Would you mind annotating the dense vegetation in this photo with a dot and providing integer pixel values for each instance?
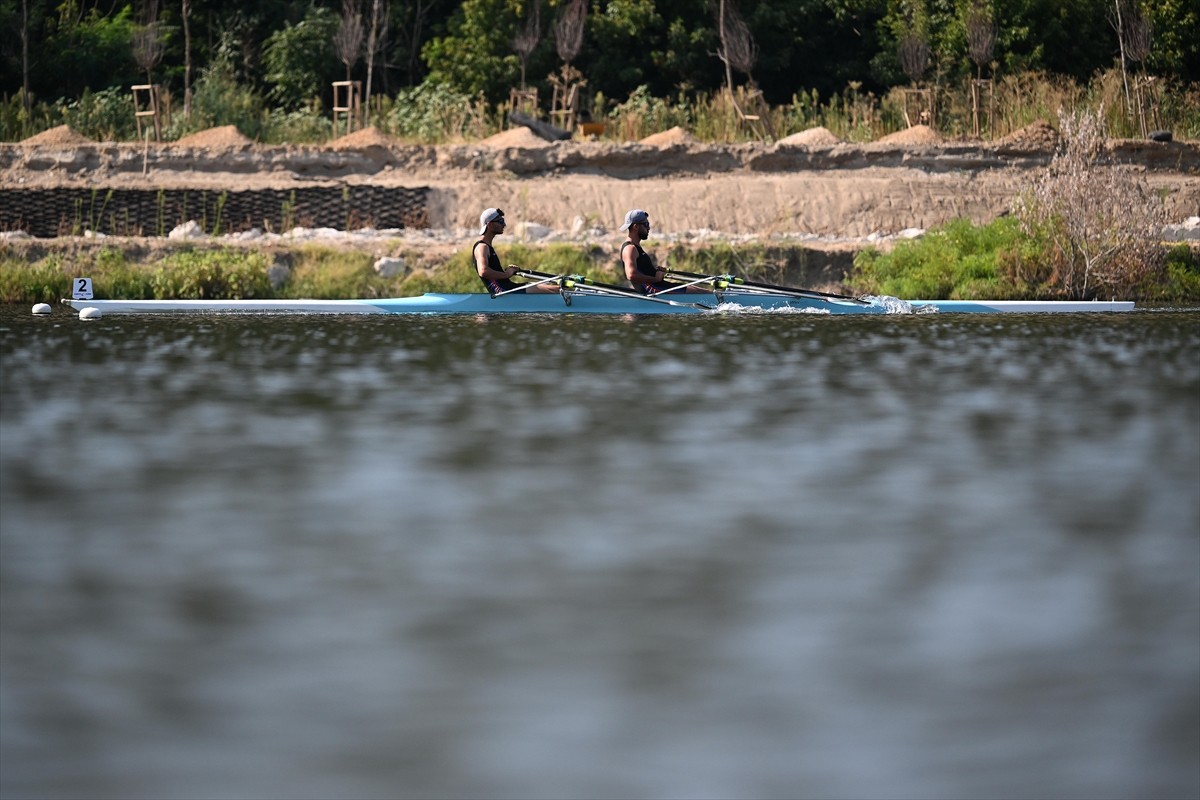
(437, 69)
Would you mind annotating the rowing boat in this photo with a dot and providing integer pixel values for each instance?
(585, 301)
(578, 294)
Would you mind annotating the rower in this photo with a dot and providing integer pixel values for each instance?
(498, 280)
(639, 268)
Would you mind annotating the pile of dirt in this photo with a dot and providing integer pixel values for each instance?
(515, 137)
(674, 136)
(223, 136)
(1037, 137)
(62, 135)
(917, 134)
(813, 137)
(362, 139)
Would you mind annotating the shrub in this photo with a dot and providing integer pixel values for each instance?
(1101, 224)
(323, 272)
(1181, 282)
(957, 261)
(212, 274)
(434, 113)
(219, 99)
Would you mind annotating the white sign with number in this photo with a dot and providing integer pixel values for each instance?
(81, 289)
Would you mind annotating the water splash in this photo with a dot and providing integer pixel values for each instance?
(894, 305)
(735, 308)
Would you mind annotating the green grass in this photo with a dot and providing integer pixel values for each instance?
(998, 261)
(959, 261)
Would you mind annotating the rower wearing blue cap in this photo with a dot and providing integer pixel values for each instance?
(640, 270)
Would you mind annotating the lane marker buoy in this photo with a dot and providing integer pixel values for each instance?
(91, 312)
(41, 308)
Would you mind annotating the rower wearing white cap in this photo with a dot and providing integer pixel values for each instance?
(639, 267)
(495, 278)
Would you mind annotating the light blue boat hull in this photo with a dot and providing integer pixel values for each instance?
(479, 303)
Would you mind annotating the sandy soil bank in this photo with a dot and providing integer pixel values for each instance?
(809, 185)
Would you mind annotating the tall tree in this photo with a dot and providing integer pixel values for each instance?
(185, 16)
(25, 99)
(375, 44)
(475, 54)
(737, 49)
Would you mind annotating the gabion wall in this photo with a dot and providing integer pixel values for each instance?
(155, 212)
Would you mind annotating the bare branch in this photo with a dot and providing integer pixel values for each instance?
(914, 55)
(568, 30)
(1103, 220)
(348, 41)
(1139, 34)
(981, 33)
(147, 48)
(738, 49)
(525, 41)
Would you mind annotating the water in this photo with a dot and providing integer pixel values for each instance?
(762, 556)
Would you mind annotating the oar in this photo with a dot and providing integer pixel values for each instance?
(682, 287)
(608, 288)
(549, 279)
(809, 293)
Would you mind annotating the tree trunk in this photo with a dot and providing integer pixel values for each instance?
(372, 41)
(186, 13)
(724, 47)
(1121, 45)
(25, 56)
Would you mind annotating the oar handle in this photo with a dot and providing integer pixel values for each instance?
(547, 279)
(578, 279)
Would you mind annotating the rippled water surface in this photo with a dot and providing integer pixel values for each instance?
(763, 556)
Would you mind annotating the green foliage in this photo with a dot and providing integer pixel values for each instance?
(325, 273)
(225, 274)
(1003, 260)
(103, 115)
(621, 32)
(1181, 283)
(476, 56)
(432, 113)
(42, 282)
(992, 261)
(1176, 48)
(218, 98)
(642, 114)
(81, 46)
(300, 58)
(838, 55)
(307, 125)
(958, 261)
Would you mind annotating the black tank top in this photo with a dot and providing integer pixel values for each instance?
(643, 265)
(493, 286)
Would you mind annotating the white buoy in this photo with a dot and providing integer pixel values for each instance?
(91, 312)
(41, 308)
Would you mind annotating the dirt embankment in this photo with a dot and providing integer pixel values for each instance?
(809, 184)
